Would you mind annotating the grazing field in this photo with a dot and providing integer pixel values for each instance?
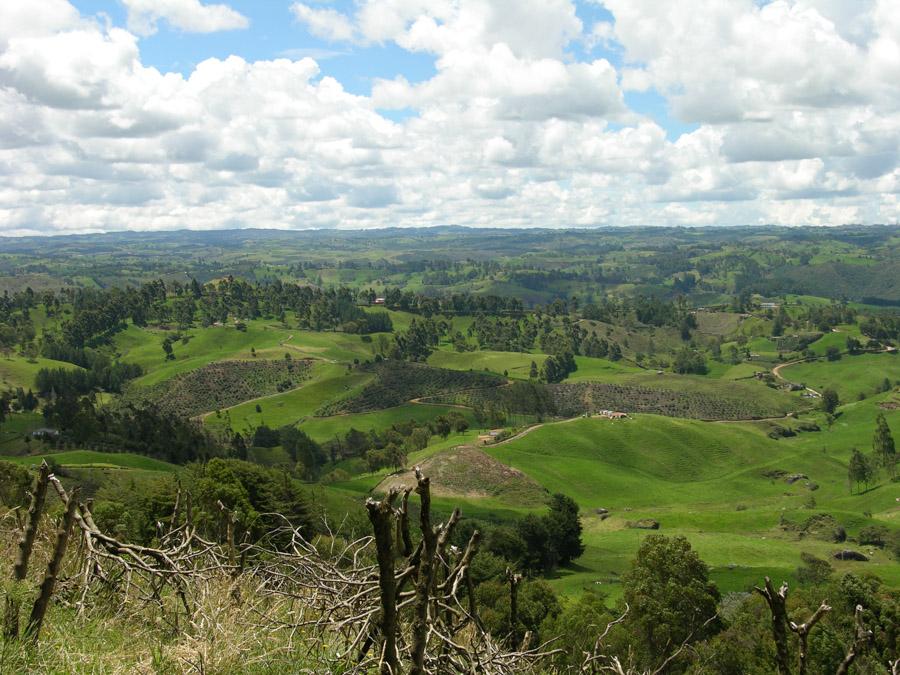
(515, 364)
(601, 370)
(328, 382)
(92, 459)
(15, 429)
(325, 428)
(204, 346)
(704, 480)
(20, 372)
(850, 376)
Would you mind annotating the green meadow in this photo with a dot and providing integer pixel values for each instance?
(90, 459)
(704, 480)
(20, 372)
(849, 376)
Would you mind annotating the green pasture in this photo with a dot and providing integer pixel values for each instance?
(325, 428)
(705, 480)
(17, 371)
(849, 376)
(205, 345)
(329, 381)
(92, 459)
(15, 428)
(516, 364)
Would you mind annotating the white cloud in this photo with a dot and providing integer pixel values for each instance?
(796, 105)
(326, 23)
(190, 16)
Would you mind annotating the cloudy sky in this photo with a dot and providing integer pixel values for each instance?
(166, 114)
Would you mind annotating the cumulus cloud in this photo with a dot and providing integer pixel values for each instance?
(190, 16)
(795, 106)
(325, 23)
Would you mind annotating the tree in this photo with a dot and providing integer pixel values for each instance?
(533, 371)
(860, 470)
(883, 445)
(167, 348)
(564, 525)
(830, 401)
(688, 361)
(539, 555)
(833, 353)
(671, 598)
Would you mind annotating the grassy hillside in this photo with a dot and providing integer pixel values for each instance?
(516, 364)
(326, 428)
(704, 480)
(328, 382)
(849, 376)
(91, 459)
(17, 371)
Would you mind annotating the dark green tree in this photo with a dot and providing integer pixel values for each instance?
(830, 401)
(860, 470)
(883, 445)
(671, 599)
(564, 524)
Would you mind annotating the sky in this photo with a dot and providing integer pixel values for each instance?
(171, 114)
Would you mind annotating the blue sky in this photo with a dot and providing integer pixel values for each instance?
(129, 114)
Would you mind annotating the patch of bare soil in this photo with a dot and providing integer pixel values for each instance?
(470, 473)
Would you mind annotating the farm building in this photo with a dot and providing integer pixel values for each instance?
(379, 301)
(45, 432)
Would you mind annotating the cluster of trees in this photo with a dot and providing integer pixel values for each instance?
(103, 375)
(601, 348)
(534, 544)
(19, 399)
(390, 448)
(558, 368)
(689, 361)
(452, 304)
(504, 334)
(144, 431)
(882, 326)
(826, 317)
(379, 449)
(418, 341)
(864, 469)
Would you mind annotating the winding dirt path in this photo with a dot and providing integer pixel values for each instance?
(776, 371)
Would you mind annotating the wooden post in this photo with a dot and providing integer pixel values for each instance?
(776, 601)
(26, 544)
(514, 581)
(381, 515)
(39, 610)
(426, 576)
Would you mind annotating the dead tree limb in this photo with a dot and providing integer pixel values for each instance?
(803, 631)
(776, 601)
(26, 544)
(514, 581)
(426, 575)
(860, 641)
(381, 515)
(39, 610)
